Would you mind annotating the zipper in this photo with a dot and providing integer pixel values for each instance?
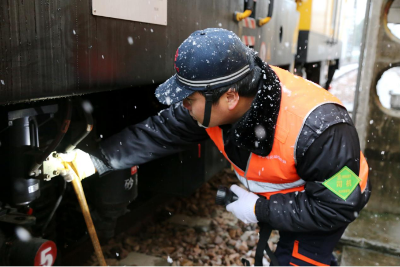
(245, 173)
(248, 161)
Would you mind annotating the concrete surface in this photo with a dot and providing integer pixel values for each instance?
(352, 256)
(140, 259)
(379, 232)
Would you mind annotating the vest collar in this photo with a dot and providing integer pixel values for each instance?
(255, 131)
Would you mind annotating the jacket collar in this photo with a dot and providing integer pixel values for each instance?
(255, 131)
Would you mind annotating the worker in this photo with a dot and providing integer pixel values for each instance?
(292, 144)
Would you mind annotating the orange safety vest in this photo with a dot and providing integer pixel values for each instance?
(276, 173)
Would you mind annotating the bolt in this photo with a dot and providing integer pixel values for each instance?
(47, 159)
(56, 173)
(55, 155)
(94, 10)
(47, 176)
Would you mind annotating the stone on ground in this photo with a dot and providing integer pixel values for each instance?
(352, 256)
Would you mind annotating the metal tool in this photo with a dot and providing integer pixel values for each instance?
(76, 182)
(225, 196)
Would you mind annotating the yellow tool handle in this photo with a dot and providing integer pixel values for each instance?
(76, 182)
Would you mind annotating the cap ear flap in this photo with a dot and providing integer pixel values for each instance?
(257, 60)
(251, 58)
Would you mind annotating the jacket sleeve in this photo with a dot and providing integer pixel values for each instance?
(171, 131)
(317, 208)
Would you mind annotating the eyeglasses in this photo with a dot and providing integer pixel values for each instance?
(188, 101)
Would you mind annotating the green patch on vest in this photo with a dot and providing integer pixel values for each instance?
(343, 183)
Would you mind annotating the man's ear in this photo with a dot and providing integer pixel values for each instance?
(232, 98)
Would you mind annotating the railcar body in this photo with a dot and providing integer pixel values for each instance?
(63, 48)
(319, 42)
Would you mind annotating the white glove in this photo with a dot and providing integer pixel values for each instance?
(80, 163)
(243, 208)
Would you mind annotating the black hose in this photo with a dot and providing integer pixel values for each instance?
(249, 4)
(55, 207)
(5, 129)
(89, 122)
(47, 120)
(87, 113)
(270, 8)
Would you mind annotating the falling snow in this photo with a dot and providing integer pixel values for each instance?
(170, 261)
(130, 40)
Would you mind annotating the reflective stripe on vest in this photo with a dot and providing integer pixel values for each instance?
(264, 187)
(363, 174)
(276, 173)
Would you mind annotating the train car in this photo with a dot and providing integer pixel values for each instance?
(319, 41)
(75, 72)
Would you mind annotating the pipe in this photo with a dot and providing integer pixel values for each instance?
(76, 182)
(263, 21)
(87, 113)
(241, 16)
(238, 16)
(361, 60)
(55, 207)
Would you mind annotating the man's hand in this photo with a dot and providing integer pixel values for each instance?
(243, 208)
(80, 162)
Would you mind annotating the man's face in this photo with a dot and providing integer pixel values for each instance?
(225, 111)
(195, 104)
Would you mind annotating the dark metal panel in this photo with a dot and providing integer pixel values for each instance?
(5, 68)
(58, 48)
(65, 50)
(16, 48)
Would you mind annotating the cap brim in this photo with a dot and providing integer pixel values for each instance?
(170, 92)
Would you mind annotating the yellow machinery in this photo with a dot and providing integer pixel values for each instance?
(319, 43)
